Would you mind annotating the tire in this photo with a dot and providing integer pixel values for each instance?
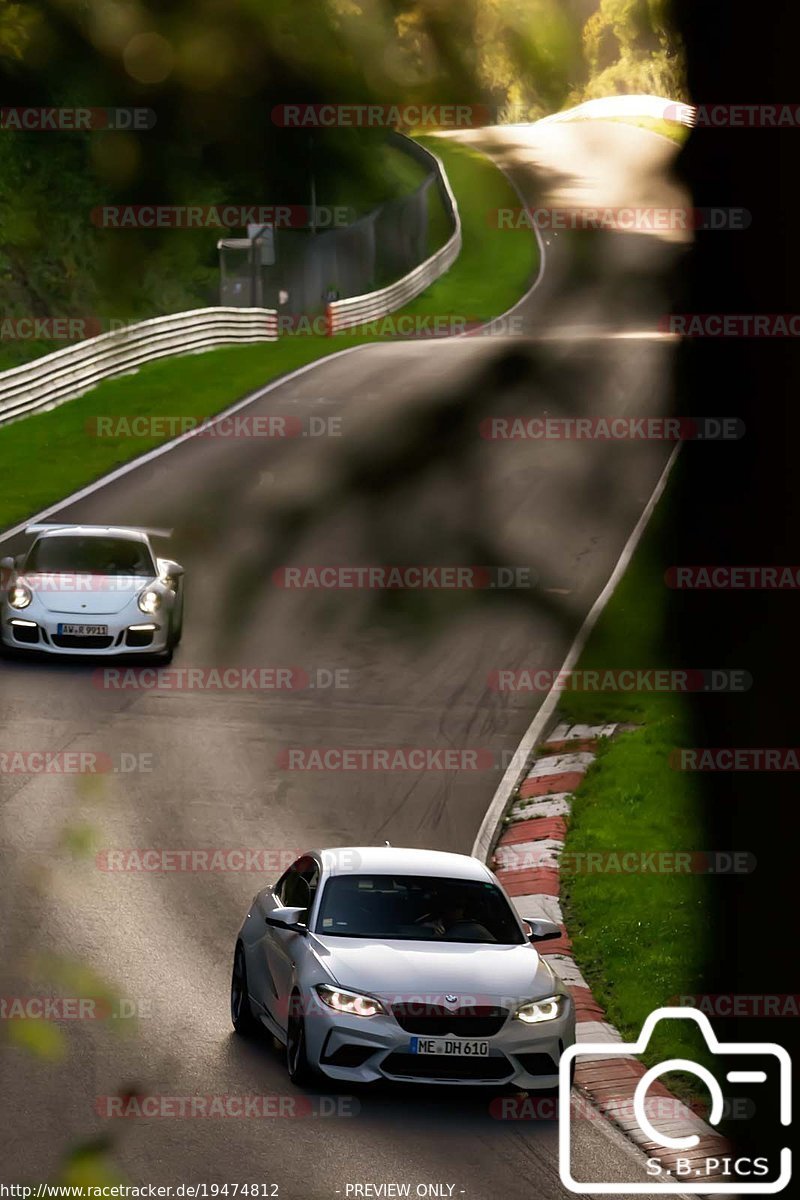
(166, 654)
(177, 632)
(242, 1017)
(164, 657)
(301, 1072)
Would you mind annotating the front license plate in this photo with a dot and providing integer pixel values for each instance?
(83, 630)
(462, 1046)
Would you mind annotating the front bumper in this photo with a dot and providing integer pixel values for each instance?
(367, 1049)
(35, 628)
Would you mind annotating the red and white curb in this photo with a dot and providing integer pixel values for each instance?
(526, 861)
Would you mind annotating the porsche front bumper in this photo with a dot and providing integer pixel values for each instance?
(130, 631)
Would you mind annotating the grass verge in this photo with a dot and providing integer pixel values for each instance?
(49, 455)
(640, 939)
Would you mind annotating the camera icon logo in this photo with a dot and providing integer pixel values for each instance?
(738, 1177)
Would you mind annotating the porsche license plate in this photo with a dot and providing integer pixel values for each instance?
(460, 1046)
(83, 630)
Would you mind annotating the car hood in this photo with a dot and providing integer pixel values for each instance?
(421, 969)
(86, 595)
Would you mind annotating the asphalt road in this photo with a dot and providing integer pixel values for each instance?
(408, 479)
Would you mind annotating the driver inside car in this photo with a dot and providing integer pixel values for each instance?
(452, 921)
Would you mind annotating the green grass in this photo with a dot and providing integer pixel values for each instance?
(495, 265)
(640, 939)
(47, 456)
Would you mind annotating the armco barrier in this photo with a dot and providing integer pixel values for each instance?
(358, 310)
(70, 372)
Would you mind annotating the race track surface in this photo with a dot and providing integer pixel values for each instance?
(409, 479)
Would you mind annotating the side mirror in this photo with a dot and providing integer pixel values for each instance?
(8, 563)
(540, 930)
(168, 569)
(288, 918)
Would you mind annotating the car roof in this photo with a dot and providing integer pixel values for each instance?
(132, 535)
(400, 860)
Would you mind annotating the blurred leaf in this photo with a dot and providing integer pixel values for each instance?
(79, 840)
(41, 1038)
(90, 1165)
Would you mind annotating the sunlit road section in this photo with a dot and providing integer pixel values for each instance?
(409, 478)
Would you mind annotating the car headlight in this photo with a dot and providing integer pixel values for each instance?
(533, 1012)
(150, 601)
(349, 1002)
(19, 595)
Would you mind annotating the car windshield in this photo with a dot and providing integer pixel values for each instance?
(416, 908)
(90, 555)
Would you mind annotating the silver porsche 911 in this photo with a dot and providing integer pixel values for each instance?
(410, 965)
(91, 589)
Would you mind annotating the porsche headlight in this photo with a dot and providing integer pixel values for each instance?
(533, 1012)
(352, 1003)
(150, 601)
(19, 595)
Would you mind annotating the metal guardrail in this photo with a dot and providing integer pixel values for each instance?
(70, 372)
(359, 310)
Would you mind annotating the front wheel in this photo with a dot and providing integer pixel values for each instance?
(177, 629)
(167, 653)
(242, 1017)
(300, 1069)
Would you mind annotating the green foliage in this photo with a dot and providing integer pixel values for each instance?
(630, 48)
(517, 54)
(213, 75)
(17, 23)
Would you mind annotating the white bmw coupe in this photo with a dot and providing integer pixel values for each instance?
(381, 963)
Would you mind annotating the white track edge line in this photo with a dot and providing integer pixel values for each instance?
(514, 774)
(165, 447)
